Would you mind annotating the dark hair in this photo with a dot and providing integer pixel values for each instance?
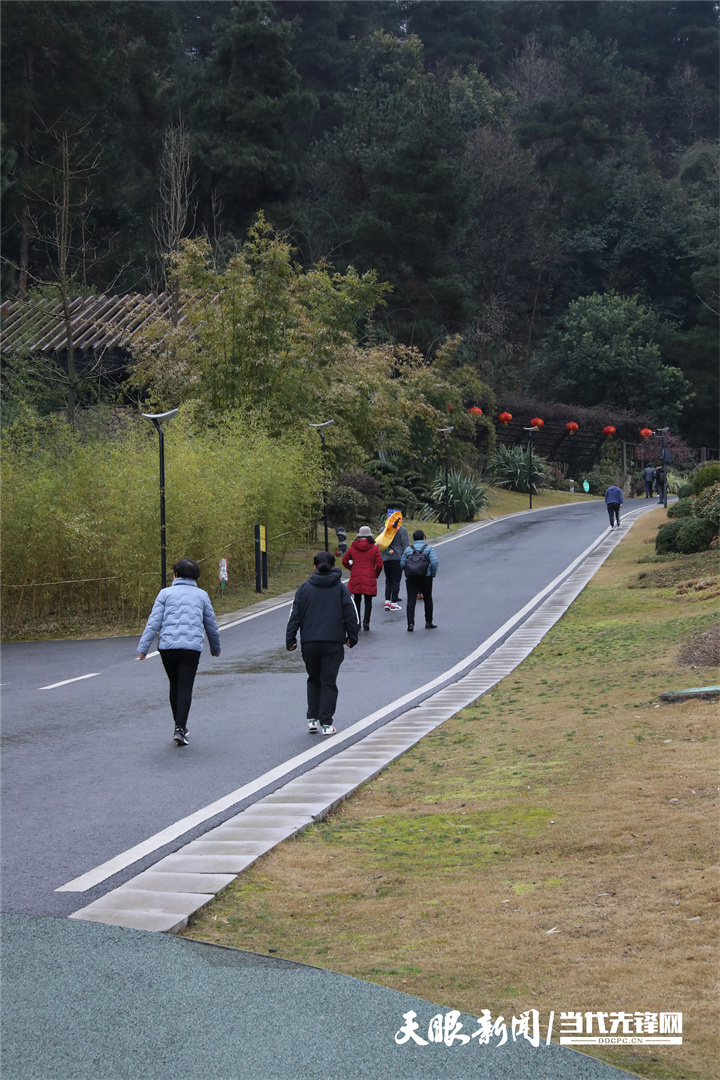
(324, 560)
(186, 568)
(418, 535)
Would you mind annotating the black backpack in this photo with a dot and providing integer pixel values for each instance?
(417, 563)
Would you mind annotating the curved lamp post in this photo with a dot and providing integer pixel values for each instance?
(446, 432)
(158, 419)
(536, 423)
(320, 428)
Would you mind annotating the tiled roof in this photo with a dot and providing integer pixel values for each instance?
(98, 322)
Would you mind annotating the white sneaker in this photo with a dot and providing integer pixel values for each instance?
(388, 605)
(327, 729)
(394, 607)
(397, 606)
(313, 727)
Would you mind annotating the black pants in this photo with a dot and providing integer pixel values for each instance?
(613, 513)
(393, 577)
(322, 663)
(415, 586)
(357, 597)
(180, 666)
(648, 489)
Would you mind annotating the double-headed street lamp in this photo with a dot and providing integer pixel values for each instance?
(320, 428)
(158, 419)
(446, 432)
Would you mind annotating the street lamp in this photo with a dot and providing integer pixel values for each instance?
(320, 428)
(536, 423)
(158, 420)
(446, 432)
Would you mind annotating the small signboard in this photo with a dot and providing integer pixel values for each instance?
(666, 455)
(586, 486)
(223, 574)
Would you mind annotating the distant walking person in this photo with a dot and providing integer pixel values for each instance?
(613, 501)
(324, 613)
(365, 563)
(660, 483)
(391, 556)
(180, 614)
(420, 564)
(648, 475)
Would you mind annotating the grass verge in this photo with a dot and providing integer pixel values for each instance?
(566, 799)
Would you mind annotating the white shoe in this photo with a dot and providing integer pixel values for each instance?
(398, 605)
(394, 607)
(327, 729)
(313, 727)
(388, 605)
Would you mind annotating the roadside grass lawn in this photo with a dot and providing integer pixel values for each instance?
(569, 799)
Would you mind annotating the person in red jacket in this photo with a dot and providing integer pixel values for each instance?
(364, 560)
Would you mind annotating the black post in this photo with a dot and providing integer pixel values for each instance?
(665, 470)
(258, 561)
(322, 444)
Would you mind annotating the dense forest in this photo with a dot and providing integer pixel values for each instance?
(536, 182)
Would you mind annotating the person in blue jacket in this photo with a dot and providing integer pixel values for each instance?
(181, 615)
(419, 580)
(613, 501)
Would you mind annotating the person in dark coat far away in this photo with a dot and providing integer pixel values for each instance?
(365, 563)
(324, 613)
(613, 501)
(180, 614)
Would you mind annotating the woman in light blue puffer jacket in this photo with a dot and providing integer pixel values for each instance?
(180, 615)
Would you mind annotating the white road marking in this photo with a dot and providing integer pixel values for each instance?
(107, 869)
(64, 682)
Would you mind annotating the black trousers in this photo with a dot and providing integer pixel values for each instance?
(322, 663)
(648, 489)
(180, 666)
(393, 577)
(415, 586)
(357, 597)
(613, 513)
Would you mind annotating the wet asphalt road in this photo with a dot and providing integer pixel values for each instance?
(89, 768)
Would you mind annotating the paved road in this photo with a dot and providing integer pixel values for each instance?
(89, 770)
(89, 767)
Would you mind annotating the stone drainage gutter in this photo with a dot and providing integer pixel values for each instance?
(164, 896)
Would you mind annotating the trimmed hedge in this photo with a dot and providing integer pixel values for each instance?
(685, 491)
(705, 476)
(684, 537)
(683, 508)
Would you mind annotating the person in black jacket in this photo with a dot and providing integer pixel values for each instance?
(324, 613)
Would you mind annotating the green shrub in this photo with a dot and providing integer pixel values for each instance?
(508, 468)
(347, 506)
(705, 476)
(465, 496)
(707, 505)
(694, 534)
(681, 509)
(665, 539)
(685, 491)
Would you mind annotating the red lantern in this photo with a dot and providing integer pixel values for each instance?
(475, 411)
(571, 427)
(609, 431)
(450, 408)
(536, 422)
(646, 433)
(505, 418)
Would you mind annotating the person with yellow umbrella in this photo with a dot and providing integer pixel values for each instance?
(392, 542)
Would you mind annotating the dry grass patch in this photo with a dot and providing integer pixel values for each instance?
(566, 799)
